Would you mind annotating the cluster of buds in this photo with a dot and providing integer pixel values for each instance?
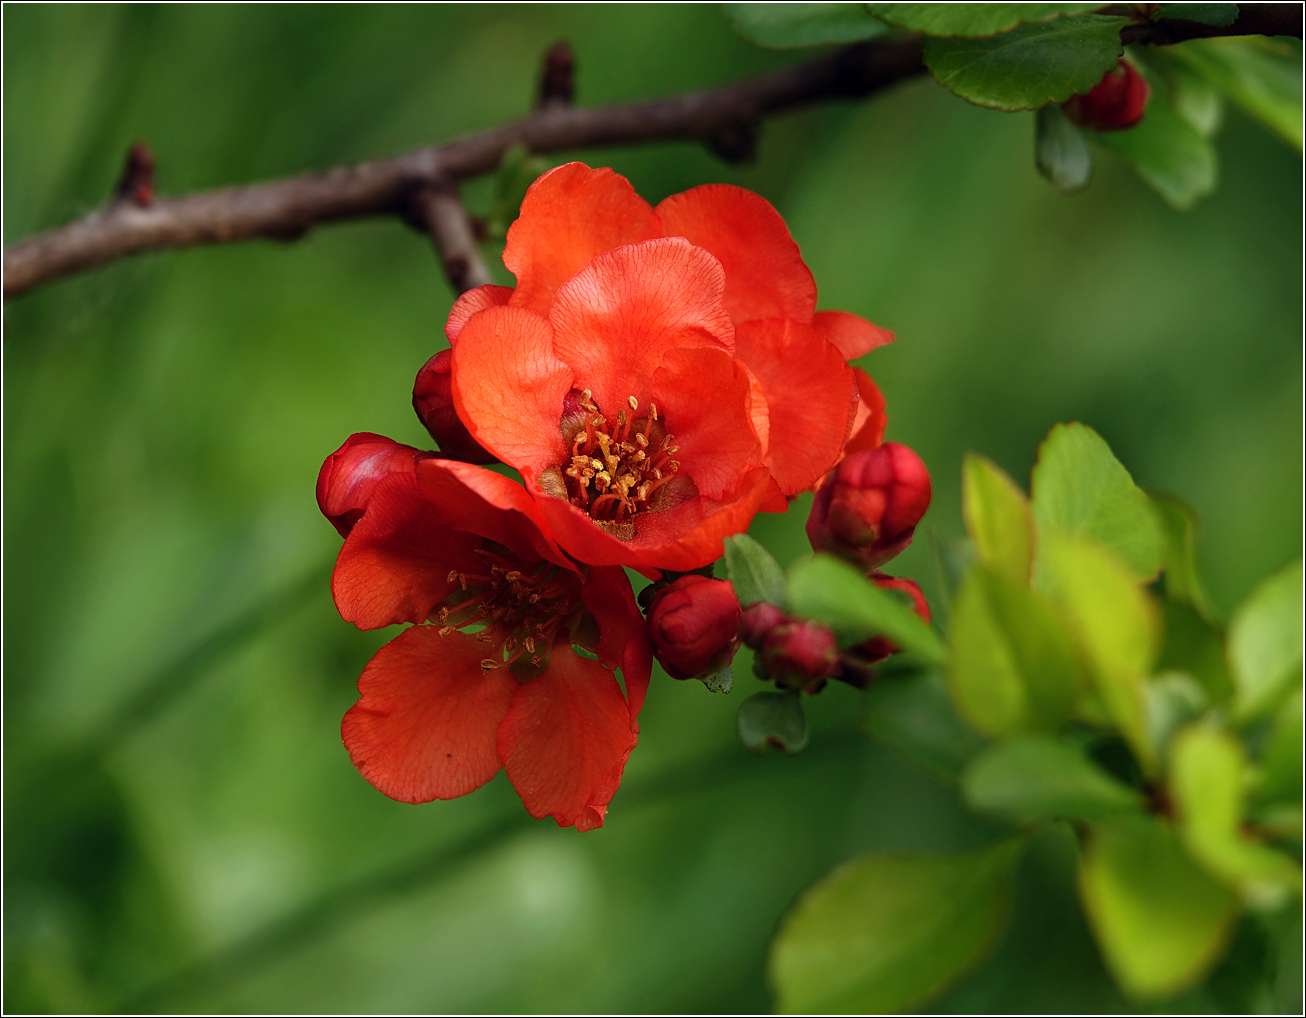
(1116, 103)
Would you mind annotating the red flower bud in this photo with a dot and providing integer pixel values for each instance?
(433, 401)
(693, 623)
(757, 620)
(1115, 103)
(867, 507)
(351, 473)
(881, 647)
(801, 655)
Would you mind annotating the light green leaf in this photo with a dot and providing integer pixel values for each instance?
(1060, 152)
(1281, 762)
(1168, 152)
(1030, 66)
(772, 719)
(1195, 647)
(1170, 701)
(1265, 643)
(753, 571)
(720, 682)
(1080, 488)
(1011, 666)
(782, 26)
(1218, 15)
(912, 713)
(1179, 526)
(997, 518)
(1192, 95)
(971, 20)
(1262, 76)
(1159, 920)
(1207, 777)
(1035, 776)
(883, 932)
(832, 591)
(1115, 625)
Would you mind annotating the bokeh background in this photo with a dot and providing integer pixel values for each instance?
(183, 830)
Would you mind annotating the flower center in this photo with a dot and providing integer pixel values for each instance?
(618, 466)
(521, 606)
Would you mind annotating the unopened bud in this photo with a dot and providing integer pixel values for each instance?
(801, 655)
(867, 507)
(694, 623)
(433, 401)
(881, 647)
(1115, 103)
(757, 620)
(351, 473)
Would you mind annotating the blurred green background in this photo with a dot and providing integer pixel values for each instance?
(183, 830)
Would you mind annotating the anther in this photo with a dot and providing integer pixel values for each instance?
(652, 411)
(513, 576)
(634, 403)
(446, 630)
(489, 664)
(453, 575)
(639, 437)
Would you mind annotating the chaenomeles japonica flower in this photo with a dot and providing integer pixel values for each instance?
(510, 659)
(657, 375)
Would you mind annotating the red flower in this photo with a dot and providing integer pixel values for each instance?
(1115, 103)
(657, 375)
(450, 547)
(694, 623)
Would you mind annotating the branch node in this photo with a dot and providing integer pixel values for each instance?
(437, 211)
(557, 77)
(136, 185)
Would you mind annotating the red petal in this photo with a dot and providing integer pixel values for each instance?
(394, 564)
(433, 402)
(472, 301)
(426, 724)
(508, 386)
(705, 396)
(569, 215)
(852, 334)
(614, 320)
(623, 633)
(869, 424)
(351, 473)
(565, 740)
(765, 274)
(810, 394)
(479, 501)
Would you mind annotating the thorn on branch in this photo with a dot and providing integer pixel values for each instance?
(735, 143)
(437, 211)
(136, 185)
(558, 77)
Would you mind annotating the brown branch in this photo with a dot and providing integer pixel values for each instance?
(437, 210)
(1253, 19)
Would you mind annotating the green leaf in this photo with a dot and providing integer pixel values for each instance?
(720, 682)
(1265, 643)
(782, 26)
(832, 591)
(1060, 152)
(1080, 488)
(971, 20)
(1168, 152)
(1034, 777)
(1196, 647)
(1011, 666)
(518, 169)
(997, 518)
(883, 932)
(1170, 701)
(1281, 763)
(753, 572)
(1030, 66)
(1192, 95)
(1115, 626)
(913, 714)
(1218, 15)
(1179, 526)
(1262, 76)
(1159, 920)
(1207, 777)
(772, 719)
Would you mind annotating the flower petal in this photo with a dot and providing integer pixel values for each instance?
(765, 274)
(614, 320)
(351, 473)
(810, 393)
(569, 215)
(426, 724)
(705, 396)
(508, 386)
(852, 334)
(394, 564)
(869, 424)
(474, 300)
(623, 633)
(566, 738)
(433, 403)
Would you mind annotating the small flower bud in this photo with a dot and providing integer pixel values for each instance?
(867, 507)
(433, 401)
(757, 620)
(1115, 103)
(881, 647)
(801, 655)
(693, 623)
(351, 473)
